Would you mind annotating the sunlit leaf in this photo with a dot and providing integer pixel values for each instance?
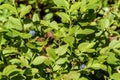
(75, 6)
(25, 10)
(98, 66)
(51, 52)
(86, 47)
(62, 50)
(9, 7)
(61, 60)
(64, 17)
(62, 3)
(115, 76)
(38, 60)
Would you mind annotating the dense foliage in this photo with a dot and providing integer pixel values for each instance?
(59, 39)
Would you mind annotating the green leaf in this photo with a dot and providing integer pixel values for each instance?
(34, 71)
(13, 33)
(51, 52)
(38, 60)
(35, 17)
(9, 7)
(94, 4)
(83, 6)
(117, 51)
(83, 78)
(54, 25)
(85, 31)
(24, 62)
(104, 23)
(62, 50)
(72, 75)
(109, 71)
(62, 3)
(104, 50)
(2, 40)
(31, 71)
(69, 40)
(31, 45)
(9, 69)
(15, 61)
(83, 23)
(73, 30)
(25, 10)
(114, 59)
(64, 17)
(114, 44)
(10, 50)
(48, 61)
(102, 58)
(48, 16)
(15, 22)
(98, 66)
(3, 30)
(86, 47)
(75, 6)
(61, 60)
(56, 67)
(44, 22)
(25, 35)
(116, 76)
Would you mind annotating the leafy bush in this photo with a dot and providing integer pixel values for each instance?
(59, 39)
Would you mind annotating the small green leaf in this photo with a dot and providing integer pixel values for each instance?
(64, 17)
(9, 7)
(61, 60)
(75, 6)
(9, 69)
(34, 71)
(31, 45)
(31, 71)
(25, 35)
(48, 61)
(15, 61)
(10, 50)
(24, 62)
(56, 67)
(73, 30)
(86, 47)
(62, 50)
(72, 75)
(54, 25)
(104, 23)
(15, 22)
(35, 17)
(85, 31)
(48, 16)
(51, 52)
(25, 10)
(83, 23)
(13, 33)
(109, 71)
(98, 66)
(69, 40)
(114, 59)
(115, 76)
(62, 3)
(114, 44)
(38, 60)
(104, 50)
